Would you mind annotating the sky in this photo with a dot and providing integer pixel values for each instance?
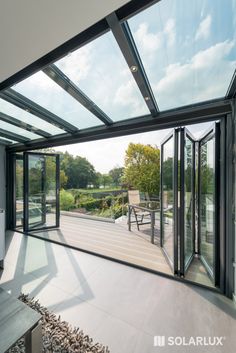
(188, 49)
(109, 153)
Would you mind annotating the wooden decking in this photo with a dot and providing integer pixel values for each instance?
(113, 240)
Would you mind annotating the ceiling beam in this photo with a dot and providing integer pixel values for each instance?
(193, 114)
(129, 50)
(13, 121)
(5, 142)
(94, 31)
(22, 102)
(12, 136)
(64, 82)
(231, 92)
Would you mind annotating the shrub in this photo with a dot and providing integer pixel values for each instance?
(67, 201)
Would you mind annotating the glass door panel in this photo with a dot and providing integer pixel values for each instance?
(187, 202)
(19, 183)
(167, 197)
(207, 199)
(41, 186)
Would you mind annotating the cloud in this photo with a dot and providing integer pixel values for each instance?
(170, 32)
(78, 65)
(151, 42)
(205, 76)
(148, 41)
(204, 28)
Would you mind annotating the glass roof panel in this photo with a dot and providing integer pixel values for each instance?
(18, 130)
(28, 118)
(101, 72)
(45, 92)
(188, 49)
(7, 140)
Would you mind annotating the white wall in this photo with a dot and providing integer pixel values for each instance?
(30, 29)
(2, 177)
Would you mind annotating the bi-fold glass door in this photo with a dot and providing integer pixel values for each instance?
(188, 199)
(208, 206)
(41, 191)
(36, 191)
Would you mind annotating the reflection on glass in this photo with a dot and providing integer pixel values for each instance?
(45, 92)
(101, 72)
(188, 201)
(19, 191)
(187, 47)
(42, 191)
(207, 209)
(168, 198)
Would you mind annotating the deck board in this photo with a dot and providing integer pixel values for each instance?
(115, 241)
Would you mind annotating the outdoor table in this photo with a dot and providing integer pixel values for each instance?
(17, 320)
(149, 207)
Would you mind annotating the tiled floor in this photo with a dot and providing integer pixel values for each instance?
(117, 305)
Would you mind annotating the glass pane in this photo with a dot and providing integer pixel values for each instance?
(50, 190)
(100, 70)
(19, 191)
(168, 197)
(188, 200)
(45, 92)
(28, 118)
(207, 205)
(18, 130)
(42, 191)
(188, 49)
(36, 206)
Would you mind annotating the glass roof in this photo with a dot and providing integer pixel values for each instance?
(188, 49)
(101, 72)
(28, 118)
(18, 131)
(45, 92)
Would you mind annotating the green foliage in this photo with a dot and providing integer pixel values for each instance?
(79, 170)
(142, 168)
(116, 175)
(67, 201)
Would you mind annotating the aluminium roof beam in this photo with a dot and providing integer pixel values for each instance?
(22, 102)
(5, 142)
(231, 93)
(13, 121)
(70, 87)
(12, 136)
(124, 38)
(200, 112)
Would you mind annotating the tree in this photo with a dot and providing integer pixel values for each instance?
(116, 174)
(79, 170)
(142, 168)
(105, 180)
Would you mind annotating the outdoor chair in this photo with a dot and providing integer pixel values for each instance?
(139, 215)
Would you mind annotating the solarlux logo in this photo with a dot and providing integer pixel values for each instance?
(161, 341)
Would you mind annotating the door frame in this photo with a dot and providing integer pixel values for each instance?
(183, 134)
(26, 190)
(174, 263)
(212, 132)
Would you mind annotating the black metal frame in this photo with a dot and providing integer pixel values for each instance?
(193, 114)
(173, 263)
(129, 50)
(213, 132)
(70, 87)
(24, 103)
(184, 133)
(16, 122)
(13, 136)
(40, 226)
